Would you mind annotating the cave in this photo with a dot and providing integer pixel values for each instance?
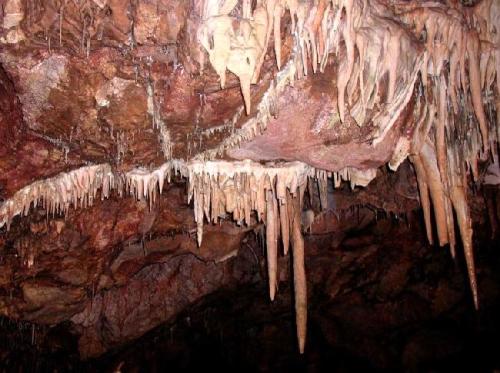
(291, 185)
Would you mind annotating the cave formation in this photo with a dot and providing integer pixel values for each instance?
(160, 158)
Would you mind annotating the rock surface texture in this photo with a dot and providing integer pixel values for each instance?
(154, 152)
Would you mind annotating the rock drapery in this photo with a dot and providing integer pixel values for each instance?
(419, 80)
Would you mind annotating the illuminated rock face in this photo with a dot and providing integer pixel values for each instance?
(103, 99)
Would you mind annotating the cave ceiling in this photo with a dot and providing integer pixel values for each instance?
(109, 107)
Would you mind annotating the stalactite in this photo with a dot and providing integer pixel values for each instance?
(240, 51)
(299, 275)
(459, 201)
(271, 245)
(264, 19)
(475, 86)
(323, 190)
(441, 124)
(285, 225)
(277, 14)
(435, 184)
(423, 188)
(158, 122)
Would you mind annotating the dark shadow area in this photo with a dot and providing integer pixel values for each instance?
(380, 300)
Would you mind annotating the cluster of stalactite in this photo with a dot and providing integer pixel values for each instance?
(69, 23)
(457, 122)
(275, 194)
(249, 192)
(79, 188)
(449, 53)
(159, 124)
(443, 55)
(318, 27)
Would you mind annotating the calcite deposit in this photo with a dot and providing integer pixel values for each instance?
(261, 108)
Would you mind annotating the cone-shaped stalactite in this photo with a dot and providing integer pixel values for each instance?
(271, 245)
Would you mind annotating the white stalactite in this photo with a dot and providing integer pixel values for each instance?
(273, 191)
(299, 275)
(271, 245)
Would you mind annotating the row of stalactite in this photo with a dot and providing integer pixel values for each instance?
(79, 188)
(271, 194)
